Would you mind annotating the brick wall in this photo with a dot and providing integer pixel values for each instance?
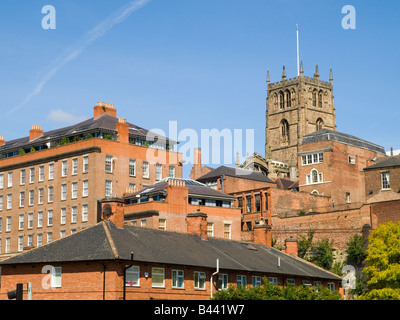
(84, 281)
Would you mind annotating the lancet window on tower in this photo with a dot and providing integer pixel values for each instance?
(284, 131)
(319, 124)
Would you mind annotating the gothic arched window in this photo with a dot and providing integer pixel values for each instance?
(288, 98)
(281, 100)
(284, 131)
(320, 99)
(319, 124)
(314, 98)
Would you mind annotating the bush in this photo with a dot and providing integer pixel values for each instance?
(270, 292)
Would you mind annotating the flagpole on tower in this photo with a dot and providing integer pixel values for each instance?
(298, 54)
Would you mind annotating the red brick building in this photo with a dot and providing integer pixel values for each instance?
(141, 263)
(382, 190)
(50, 181)
(331, 163)
(165, 204)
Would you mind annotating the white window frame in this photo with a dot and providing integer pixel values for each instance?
(273, 280)
(132, 168)
(200, 280)
(85, 167)
(177, 275)
(241, 280)
(108, 188)
(133, 276)
(162, 224)
(210, 229)
(171, 171)
(64, 191)
(74, 214)
(21, 222)
(40, 219)
(158, 172)
(385, 180)
(31, 199)
(20, 243)
(85, 188)
(21, 199)
(56, 276)
(146, 170)
(50, 217)
(84, 212)
(223, 281)
(41, 173)
(30, 220)
(51, 171)
(157, 274)
(40, 195)
(1, 181)
(32, 175)
(74, 166)
(74, 190)
(22, 177)
(9, 201)
(64, 168)
(10, 179)
(8, 224)
(63, 218)
(50, 194)
(108, 164)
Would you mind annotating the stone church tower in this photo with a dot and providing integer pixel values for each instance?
(296, 107)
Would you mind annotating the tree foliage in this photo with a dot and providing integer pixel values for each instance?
(270, 292)
(383, 263)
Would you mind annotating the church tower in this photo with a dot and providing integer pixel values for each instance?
(296, 107)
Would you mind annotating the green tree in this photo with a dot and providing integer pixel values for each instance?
(383, 263)
(324, 254)
(305, 243)
(355, 250)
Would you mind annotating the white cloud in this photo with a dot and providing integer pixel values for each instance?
(64, 117)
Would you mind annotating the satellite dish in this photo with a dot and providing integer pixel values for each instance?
(107, 210)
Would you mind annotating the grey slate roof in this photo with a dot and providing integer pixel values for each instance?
(235, 172)
(105, 122)
(162, 247)
(195, 188)
(330, 135)
(385, 163)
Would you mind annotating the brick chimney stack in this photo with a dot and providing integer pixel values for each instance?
(291, 246)
(113, 210)
(262, 234)
(197, 224)
(123, 131)
(196, 170)
(104, 107)
(35, 132)
(2, 141)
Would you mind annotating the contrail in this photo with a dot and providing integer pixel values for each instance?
(89, 37)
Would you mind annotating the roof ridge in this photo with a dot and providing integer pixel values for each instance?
(106, 226)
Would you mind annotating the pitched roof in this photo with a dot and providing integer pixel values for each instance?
(155, 246)
(195, 188)
(286, 184)
(235, 172)
(331, 135)
(104, 122)
(385, 163)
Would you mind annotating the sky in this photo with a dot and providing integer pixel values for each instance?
(201, 63)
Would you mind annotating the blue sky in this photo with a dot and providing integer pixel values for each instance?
(201, 63)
